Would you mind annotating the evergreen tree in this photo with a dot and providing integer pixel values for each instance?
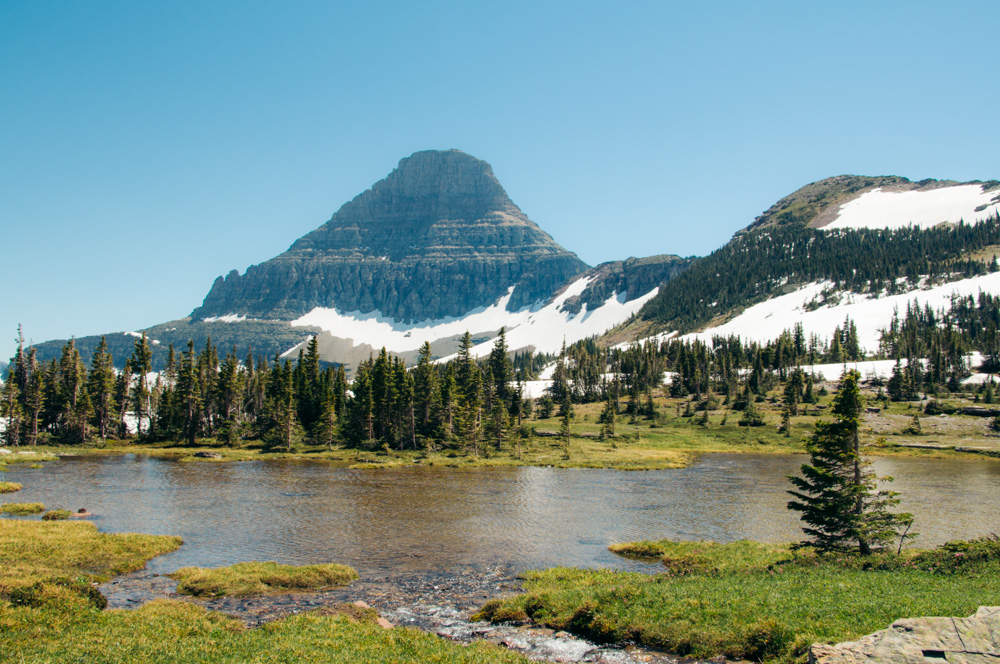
(501, 369)
(123, 392)
(141, 364)
(564, 432)
(101, 387)
(838, 498)
(327, 429)
(189, 393)
(751, 416)
(608, 417)
(10, 408)
(425, 393)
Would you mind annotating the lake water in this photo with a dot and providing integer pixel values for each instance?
(442, 520)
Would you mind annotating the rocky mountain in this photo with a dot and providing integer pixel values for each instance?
(438, 237)
(435, 249)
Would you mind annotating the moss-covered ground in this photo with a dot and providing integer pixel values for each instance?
(755, 601)
(255, 578)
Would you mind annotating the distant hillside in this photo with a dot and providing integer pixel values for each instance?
(821, 203)
(875, 237)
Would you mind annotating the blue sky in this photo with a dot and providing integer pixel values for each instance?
(148, 147)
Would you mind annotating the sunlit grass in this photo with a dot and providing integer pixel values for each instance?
(22, 509)
(254, 578)
(751, 600)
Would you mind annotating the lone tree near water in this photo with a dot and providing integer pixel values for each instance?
(837, 494)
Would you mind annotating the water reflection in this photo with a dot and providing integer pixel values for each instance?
(438, 520)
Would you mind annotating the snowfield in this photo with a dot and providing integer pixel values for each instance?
(766, 321)
(897, 209)
(543, 326)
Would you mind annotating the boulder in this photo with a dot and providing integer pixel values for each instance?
(972, 640)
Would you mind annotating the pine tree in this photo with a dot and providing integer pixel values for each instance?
(229, 399)
(751, 416)
(189, 393)
(564, 432)
(123, 391)
(501, 369)
(786, 421)
(101, 386)
(608, 417)
(141, 364)
(33, 398)
(425, 393)
(327, 429)
(838, 498)
(10, 408)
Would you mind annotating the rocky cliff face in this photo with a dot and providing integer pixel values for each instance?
(438, 237)
(628, 279)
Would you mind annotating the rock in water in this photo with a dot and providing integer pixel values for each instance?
(438, 237)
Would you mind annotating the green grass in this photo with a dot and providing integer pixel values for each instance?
(245, 579)
(50, 613)
(36, 553)
(167, 632)
(753, 601)
(22, 509)
(9, 487)
(56, 515)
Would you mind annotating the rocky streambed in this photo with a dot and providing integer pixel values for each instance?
(441, 604)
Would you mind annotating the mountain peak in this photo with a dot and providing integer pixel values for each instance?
(437, 237)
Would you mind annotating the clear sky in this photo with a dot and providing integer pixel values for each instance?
(148, 147)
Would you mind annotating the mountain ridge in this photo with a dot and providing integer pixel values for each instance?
(437, 237)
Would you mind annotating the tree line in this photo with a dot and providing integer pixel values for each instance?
(863, 260)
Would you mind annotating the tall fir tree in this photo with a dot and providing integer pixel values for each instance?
(837, 496)
(101, 386)
(141, 364)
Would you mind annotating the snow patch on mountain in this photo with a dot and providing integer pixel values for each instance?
(766, 321)
(924, 208)
(228, 318)
(543, 326)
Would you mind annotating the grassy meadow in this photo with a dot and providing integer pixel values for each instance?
(754, 601)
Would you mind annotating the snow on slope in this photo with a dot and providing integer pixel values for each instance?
(766, 321)
(897, 209)
(543, 327)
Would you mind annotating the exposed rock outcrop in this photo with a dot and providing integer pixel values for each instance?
(438, 237)
(629, 279)
(972, 640)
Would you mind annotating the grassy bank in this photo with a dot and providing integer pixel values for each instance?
(245, 579)
(9, 487)
(754, 601)
(50, 612)
(45, 557)
(169, 632)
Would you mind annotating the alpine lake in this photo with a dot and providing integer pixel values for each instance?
(432, 520)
